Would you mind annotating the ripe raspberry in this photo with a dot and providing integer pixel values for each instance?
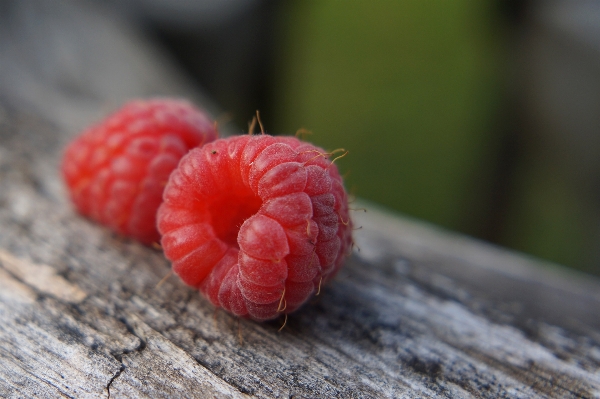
(257, 223)
(116, 170)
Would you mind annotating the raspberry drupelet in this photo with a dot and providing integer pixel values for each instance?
(116, 170)
(257, 223)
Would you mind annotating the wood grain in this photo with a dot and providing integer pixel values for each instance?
(417, 312)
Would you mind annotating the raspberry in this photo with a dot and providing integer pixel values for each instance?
(257, 223)
(116, 170)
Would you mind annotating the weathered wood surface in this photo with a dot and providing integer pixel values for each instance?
(416, 313)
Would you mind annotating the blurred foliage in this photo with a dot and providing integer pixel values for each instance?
(410, 88)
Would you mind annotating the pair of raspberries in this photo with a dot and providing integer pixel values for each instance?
(255, 222)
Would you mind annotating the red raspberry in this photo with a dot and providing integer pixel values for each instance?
(257, 223)
(116, 170)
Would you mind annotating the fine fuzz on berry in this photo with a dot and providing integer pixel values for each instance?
(116, 170)
(257, 223)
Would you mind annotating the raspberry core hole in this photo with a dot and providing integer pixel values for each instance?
(229, 211)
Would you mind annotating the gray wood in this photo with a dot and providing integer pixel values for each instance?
(417, 312)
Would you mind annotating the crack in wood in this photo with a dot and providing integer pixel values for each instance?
(139, 348)
(114, 377)
(119, 355)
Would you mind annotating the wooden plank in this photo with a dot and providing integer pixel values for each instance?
(417, 312)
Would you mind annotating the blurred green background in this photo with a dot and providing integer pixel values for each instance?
(409, 88)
